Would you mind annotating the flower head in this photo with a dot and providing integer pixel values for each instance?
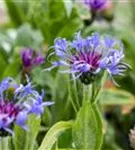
(95, 4)
(86, 57)
(15, 109)
(30, 58)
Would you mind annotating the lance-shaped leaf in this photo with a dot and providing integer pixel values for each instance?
(116, 97)
(25, 140)
(68, 7)
(53, 134)
(4, 143)
(16, 13)
(87, 129)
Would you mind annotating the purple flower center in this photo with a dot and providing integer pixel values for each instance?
(87, 63)
(91, 58)
(8, 114)
(8, 109)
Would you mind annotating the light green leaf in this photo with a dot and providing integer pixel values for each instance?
(65, 149)
(16, 13)
(13, 68)
(65, 139)
(87, 129)
(73, 24)
(19, 134)
(34, 126)
(116, 97)
(2, 65)
(68, 6)
(60, 96)
(4, 143)
(26, 139)
(53, 134)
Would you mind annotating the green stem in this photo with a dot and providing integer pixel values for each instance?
(99, 91)
(73, 104)
(76, 94)
(92, 92)
(4, 145)
(86, 93)
(88, 22)
(70, 97)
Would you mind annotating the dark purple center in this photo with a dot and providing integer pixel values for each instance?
(9, 109)
(92, 58)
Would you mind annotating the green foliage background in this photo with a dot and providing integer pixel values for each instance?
(36, 24)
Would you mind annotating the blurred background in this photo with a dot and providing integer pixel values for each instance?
(36, 23)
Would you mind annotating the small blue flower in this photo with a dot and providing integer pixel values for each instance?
(86, 57)
(15, 110)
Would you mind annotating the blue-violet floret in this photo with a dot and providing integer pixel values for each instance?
(86, 57)
(17, 102)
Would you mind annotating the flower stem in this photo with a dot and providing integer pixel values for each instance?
(88, 22)
(76, 94)
(99, 91)
(92, 92)
(70, 96)
(86, 93)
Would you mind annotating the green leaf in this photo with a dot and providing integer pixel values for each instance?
(110, 138)
(87, 129)
(13, 68)
(47, 117)
(63, 20)
(39, 77)
(34, 126)
(2, 65)
(4, 143)
(116, 97)
(68, 6)
(15, 12)
(27, 37)
(26, 139)
(60, 96)
(65, 140)
(53, 134)
(73, 24)
(19, 134)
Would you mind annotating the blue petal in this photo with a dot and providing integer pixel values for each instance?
(22, 118)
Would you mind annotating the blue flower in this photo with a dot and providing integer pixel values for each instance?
(38, 105)
(86, 57)
(16, 109)
(112, 63)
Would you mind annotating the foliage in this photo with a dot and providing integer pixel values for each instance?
(74, 121)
